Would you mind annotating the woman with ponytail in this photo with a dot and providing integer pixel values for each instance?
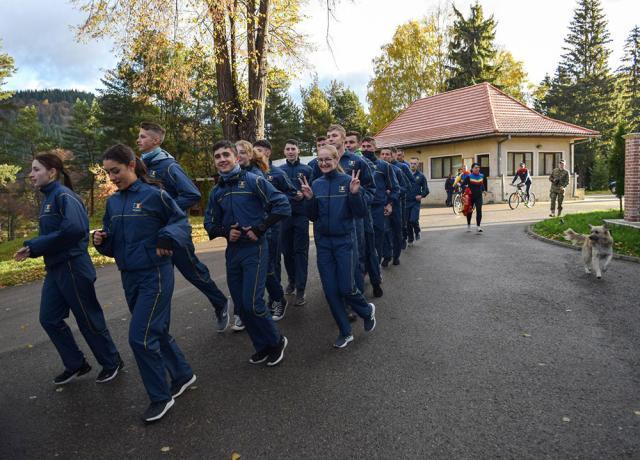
(142, 226)
(69, 284)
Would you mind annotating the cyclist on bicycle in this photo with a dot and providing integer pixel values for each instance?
(462, 175)
(525, 178)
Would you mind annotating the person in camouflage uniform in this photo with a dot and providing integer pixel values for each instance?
(559, 179)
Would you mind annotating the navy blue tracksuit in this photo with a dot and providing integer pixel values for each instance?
(333, 209)
(250, 201)
(369, 256)
(421, 188)
(294, 230)
(387, 191)
(394, 232)
(281, 182)
(137, 221)
(176, 183)
(69, 283)
(406, 170)
(351, 162)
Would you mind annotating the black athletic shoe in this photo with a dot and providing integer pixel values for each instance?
(377, 290)
(385, 262)
(417, 236)
(67, 376)
(370, 322)
(396, 261)
(291, 288)
(277, 353)
(107, 375)
(180, 387)
(157, 410)
(300, 299)
(259, 357)
(279, 309)
(352, 317)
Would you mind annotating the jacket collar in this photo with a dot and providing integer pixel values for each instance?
(50, 187)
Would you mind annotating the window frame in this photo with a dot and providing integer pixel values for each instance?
(444, 173)
(511, 163)
(543, 161)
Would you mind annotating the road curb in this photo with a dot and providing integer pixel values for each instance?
(529, 231)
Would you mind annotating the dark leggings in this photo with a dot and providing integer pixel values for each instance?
(476, 201)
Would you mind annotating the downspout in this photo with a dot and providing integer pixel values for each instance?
(500, 172)
(573, 164)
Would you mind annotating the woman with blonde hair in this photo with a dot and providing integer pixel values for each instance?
(250, 159)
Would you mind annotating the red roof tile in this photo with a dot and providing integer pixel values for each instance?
(476, 111)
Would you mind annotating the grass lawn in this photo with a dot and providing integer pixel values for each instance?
(627, 240)
(13, 273)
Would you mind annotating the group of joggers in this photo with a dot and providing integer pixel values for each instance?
(365, 210)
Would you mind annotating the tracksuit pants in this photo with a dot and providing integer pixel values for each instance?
(294, 238)
(247, 265)
(148, 293)
(360, 253)
(379, 228)
(413, 220)
(197, 273)
(273, 283)
(393, 233)
(336, 258)
(405, 220)
(70, 286)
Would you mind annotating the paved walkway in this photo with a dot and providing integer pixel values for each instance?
(487, 344)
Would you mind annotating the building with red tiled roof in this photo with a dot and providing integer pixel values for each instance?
(482, 124)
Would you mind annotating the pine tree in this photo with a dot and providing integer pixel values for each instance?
(472, 52)
(629, 74)
(316, 112)
(283, 118)
(346, 108)
(617, 159)
(582, 88)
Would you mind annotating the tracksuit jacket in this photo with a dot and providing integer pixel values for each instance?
(69, 283)
(333, 209)
(163, 167)
(250, 201)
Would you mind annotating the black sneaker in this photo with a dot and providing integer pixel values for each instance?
(259, 356)
(377, 290)
(67, 376)
(370, 322)
(352, 317)
(385, 262)
(277, 353)
(222, 318)
(417, 236)
(300, 298)
(279, 309)
(291, 288)
(107, 375)
(180, 387)
(396, 261)
(157, 410)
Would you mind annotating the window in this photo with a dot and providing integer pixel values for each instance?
(549, 161)
(484, 164)
(442, 166)
(515, 158)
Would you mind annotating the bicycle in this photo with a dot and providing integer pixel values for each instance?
(456, 201)
(516, 197)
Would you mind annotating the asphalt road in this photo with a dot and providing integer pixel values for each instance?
(487, 345)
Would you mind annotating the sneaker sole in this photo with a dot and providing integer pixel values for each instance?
(184, 387)
(300, 304)
(161, 414)
(235, 328)
(346, 342)
(281, 357)
(251, 361)
(75, 375)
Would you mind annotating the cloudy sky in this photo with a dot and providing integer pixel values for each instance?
(39, 35)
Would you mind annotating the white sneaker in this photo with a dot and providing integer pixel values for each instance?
(468, 228)
(238, 325)
(480, 230)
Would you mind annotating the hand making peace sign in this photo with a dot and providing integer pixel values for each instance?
(305, 188)
(354, 186)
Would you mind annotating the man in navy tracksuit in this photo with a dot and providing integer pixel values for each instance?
(417, 192)
(336, 136)
(241, 208)
(393, 233)
(369, 256)
(386, 193)
(69, 283)
(276, 176)
(142, 226)
(163, 167)
(294, 230)
(398, 160)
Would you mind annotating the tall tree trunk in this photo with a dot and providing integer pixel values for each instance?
(257, 47)
(229, 107)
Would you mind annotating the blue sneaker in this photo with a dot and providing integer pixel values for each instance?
(370, 322)
(222, 318)
(342, 342)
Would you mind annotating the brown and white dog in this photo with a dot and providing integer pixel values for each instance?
(597, 248)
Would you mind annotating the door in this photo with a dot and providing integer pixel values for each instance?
(484, 164)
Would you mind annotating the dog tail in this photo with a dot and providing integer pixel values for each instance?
(570, 235)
